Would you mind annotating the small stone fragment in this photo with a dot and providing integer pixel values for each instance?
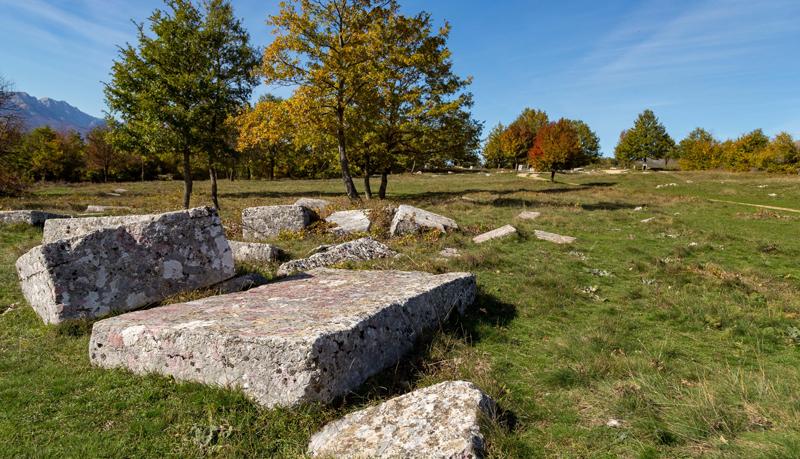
(255, 253)
(450, 252)
(503, 231)
(441, 421)
(359, 250)
(552, 237)
(648, 220)
(527, 215)
(30, 217)
(312, 203)
(269, 221)
(411, 220)
(350, 222)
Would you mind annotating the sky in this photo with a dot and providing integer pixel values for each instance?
(729, 66)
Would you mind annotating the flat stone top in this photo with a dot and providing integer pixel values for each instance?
(299, 308)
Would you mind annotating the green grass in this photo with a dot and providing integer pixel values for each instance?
(692, 342)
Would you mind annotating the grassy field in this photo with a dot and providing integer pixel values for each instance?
(684, 329)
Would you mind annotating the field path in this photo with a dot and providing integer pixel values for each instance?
(785, 209)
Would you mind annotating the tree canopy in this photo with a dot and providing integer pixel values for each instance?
(648, 138)
(557, 147)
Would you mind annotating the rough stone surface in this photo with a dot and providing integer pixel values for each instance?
(99, 209)
(241, 283)
(312, 203)
(269, 221)
(126, 267)
(552, 237)
(503, 231)
(359, 250)
(349, 222)
(255, 253)
(313, 337)
(450, 252)
(527, 215)
(409, 220)
(441, 421)
(31, 217)
(65, 228)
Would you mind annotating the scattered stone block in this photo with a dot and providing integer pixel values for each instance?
(255, 253)
(269, 221)
(126, 267)
(411, 220)
(312, 203)
(309, 338)
(350, 222)
(359, 250)
(450, 252)
(241, 283)
(528, 215)
(503, 231)
(441, 421)
(120, 191)
(552, 237)
(648, 220)
(100, 209)
(65, 228)
(30, 217)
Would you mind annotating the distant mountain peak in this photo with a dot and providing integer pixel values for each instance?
(57, 114)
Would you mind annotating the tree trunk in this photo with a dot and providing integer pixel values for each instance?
(187, 179)
(271, 171)
(367, 172)
(384, 184)
(553, 176)
(349, 186)
(105, 174)
(142, 169)
(212, 173)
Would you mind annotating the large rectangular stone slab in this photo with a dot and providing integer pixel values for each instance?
(30, 217)
(126, 267)
(65, 228)
(312, 337)
(269, 221)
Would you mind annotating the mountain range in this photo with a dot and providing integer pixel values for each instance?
(57, 114)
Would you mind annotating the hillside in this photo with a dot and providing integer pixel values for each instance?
(54, 113)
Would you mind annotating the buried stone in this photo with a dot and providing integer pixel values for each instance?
(255, 253)
(503, 231)
(411, 220)
(349, 222)
(125, 267)
(30, 217)
(309, 338)
(359, 250)
(270, 221)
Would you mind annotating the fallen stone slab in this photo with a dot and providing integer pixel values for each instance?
(527, 215)
(269, 221)
(120, 191)
(349, 222)
(241, 283)
(126, 267)
(255, 253)
(501, 232)
(359, 250)
(552, 237)
(100, 209)
(65, 228)
(450, 252)
(30, 217)
(441, 421)
(411, 220)
(309, 338)
(312, 203)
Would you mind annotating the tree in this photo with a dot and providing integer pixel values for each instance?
(266, 129)
(100, 153)
(557, 147)
(699, 150)
(647, 139)
(323, 47)
(590, 143)
(51, 155)
(175, 91)
(781, 154)
(517, 140)
(12, 180)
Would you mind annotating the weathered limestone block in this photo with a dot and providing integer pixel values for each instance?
(101, 209)
(30, 217)
(359, 250)
(309, 338)
(255, 253)
(527, 215)
(552, 237)
(65, 228)
(409, 220)
(312, 203)
(125, 267)
(349, 221)
(503, 231)
(441, 421)
(269, 221)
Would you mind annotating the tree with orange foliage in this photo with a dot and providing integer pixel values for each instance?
(557, 147)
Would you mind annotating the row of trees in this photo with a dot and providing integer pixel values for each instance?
(648, 138)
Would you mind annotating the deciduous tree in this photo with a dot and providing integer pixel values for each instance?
(557, 147)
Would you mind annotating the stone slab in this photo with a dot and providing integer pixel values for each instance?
(498, 233)
(527, 215)
(126, 267)
(349, 221)
(100, 209)
(30, 217)
(255, 253)
(410, 220)
(441, 421)
(359, 250)
(552, 237)
(65, 228)
(269, 221)
(309, 338)
(312, 203)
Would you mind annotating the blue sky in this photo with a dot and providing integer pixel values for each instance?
(727, 65)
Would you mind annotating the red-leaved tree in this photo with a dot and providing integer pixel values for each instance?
(557, 147)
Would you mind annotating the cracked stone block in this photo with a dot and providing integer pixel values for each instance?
(552, 237)
(126, 267)
(65, 228)
(309, 338)
(255, 253)
(442, 421)
(498, 233)
(410, 220)
(269, 221)
(312, 203)
(359, 250)
(30, 217)
(349, 222)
